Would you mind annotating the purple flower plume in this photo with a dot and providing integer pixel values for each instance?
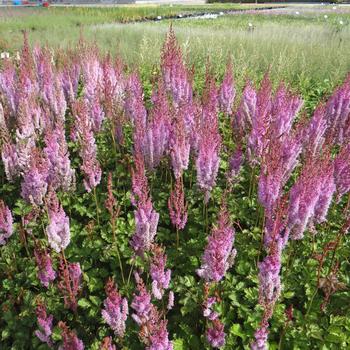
(215, 334)
(175, 75)
(34, 183)
(6, 223)
(160, 276)
(219, 254)
(70, 339)
(342, 171)
(70, 276)
(227, 91)
(115, 310)
(46, 273)
(88, 150)
(58, 231)
(45, 325)
(177, 206)
(107, 344)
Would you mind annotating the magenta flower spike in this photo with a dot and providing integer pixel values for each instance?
(46, 273)
(70, 339)
(342, 171)
(115, 310)
(215, 334)
(45, 325)
(34, 184)
(227, 91)
(88, 150)
(58, 231)
(178, 206)
(219, 253)
(160, 276)
(6, 223)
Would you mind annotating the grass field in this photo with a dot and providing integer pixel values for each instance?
(306, 49)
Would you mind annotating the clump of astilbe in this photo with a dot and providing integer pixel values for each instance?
(209, 142)
(277, 164)
(215, 334)
(69, 284)
(88, 150)
(6, 223)
(179, 146)
(337, 111)
(219, 254)
(69, 338)
(215, 329)
(315, 132)
(10, 160)
(92, 75)
(261, 336)
(342, 171)
(141, 303)
(60, 172)
(160, 276)
(146, 218)
(46, 273)
(284, 108)
(58, 231)
(178, 206)
(50, 86)
(156, 136)
(235, 163)
(8, 87)
(175, 75)
(115, 310)
(227, 91)
(113, 95)
(261, 120)
(34, 184)
(307, 202)
(69, 77)
(134, 106)
(107, 344)
(153, 332)
(246, 111)
(45, 324)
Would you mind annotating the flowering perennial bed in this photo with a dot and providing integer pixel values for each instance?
(166, 241)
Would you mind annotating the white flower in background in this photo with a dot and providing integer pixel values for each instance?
(334, 7)
(159, 17)
(297, 12)
(18, 57)
(180, 15)
(341, 22)
(250, 24)
(221, 13)
(4, 55)
(325, 16)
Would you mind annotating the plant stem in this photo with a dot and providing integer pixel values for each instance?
(97, 207)
(177, 238)
(118, 254)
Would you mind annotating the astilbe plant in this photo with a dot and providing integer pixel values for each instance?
(160, 276)
(153, 332)
(58, 230)
(6, 223)
(227, 91)
(219, 254)
(70, 276)
(34, 184)
(88, 151)
(70, 341)
(209, 142)
(107, 344)
(115, 310)
(45, 323)
(155, 141)
(177, 205)
(146, 218)
(176, 77)
(46, 273)
(342, 171)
